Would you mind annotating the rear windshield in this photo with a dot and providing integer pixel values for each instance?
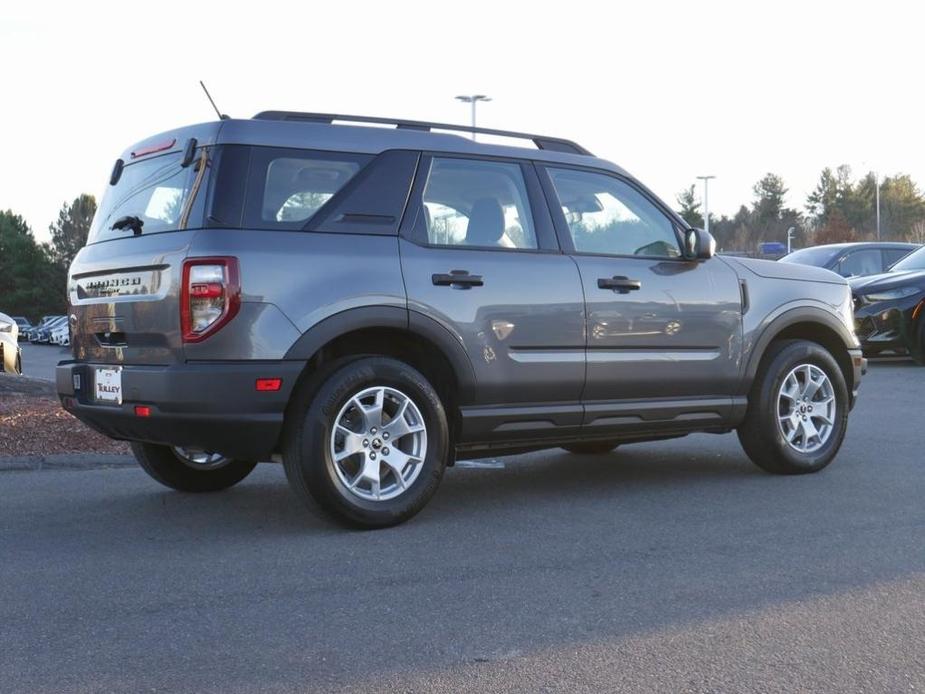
(810, 256)
(154, 190)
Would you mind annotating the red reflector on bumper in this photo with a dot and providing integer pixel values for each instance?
(142, 411)
(265, 384)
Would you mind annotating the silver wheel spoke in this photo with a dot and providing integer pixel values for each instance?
(399, 427)
(353, 443)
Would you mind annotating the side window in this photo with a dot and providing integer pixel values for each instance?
(606, 215)
(891, 256)
(286, 187)
(863, 262)
(468, 202)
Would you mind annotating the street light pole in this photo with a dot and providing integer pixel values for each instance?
(877, 185)
(706, 201)
(473, 99)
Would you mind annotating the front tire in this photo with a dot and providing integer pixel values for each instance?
(918, 349)
(797, 410)
(187, 471)
(369, 444)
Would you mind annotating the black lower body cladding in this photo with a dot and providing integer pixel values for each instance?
(214, 406)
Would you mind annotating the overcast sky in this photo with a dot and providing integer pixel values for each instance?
(668, 90)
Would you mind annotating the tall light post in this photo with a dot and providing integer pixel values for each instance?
(706, 201)
(473, 99)
(877, 188)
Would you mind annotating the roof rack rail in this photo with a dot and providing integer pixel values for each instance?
(555, 144)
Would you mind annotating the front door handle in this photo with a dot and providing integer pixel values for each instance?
(457, 278)
(619, 284)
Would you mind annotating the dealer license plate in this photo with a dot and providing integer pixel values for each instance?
(107, 384)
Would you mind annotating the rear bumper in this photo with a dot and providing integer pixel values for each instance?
(214, 406)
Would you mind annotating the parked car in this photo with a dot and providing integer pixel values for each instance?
(43, 334)
(24, 326)
(890, 309)
(853, 259)
(10, 354)
(61, 335)
(367, 304)
(40, 326)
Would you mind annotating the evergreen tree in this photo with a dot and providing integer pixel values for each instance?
(690, 207)
(69, 232)
(30, 283)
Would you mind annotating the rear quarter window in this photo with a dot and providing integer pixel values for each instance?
(286, 188)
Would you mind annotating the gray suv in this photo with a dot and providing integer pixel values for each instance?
(368, 304)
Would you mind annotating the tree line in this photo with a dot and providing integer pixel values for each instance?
(839, 209)
(33, 276)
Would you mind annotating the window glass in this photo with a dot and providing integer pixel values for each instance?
(913, 261)
(864, 262)
(815, 255)
(606, 215)
(153, 190)
(477, 203)
(295, 187)
(893, 255)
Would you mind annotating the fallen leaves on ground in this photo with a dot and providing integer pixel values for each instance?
(37, 425)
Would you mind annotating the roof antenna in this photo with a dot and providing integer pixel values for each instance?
(221, 116)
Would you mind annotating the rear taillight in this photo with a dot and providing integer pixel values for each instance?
(210, 296)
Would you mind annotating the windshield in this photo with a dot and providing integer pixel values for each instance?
(913, 261)
(817, 256)
(153, 190)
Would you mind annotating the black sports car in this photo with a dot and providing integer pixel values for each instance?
(889, 308)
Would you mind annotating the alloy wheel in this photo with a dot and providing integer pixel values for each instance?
(806, 408)
(378, 443)
(199, 459)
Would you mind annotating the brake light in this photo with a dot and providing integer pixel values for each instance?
(152, 149)
(209, 297)
(269, 384)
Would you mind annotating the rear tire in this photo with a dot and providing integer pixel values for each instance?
(168, 468)
(368, 441)
(591, 447)
(783, 433)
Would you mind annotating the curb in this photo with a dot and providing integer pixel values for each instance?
(65, 461)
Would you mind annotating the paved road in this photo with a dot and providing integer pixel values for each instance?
(674, 566)
(39, 361)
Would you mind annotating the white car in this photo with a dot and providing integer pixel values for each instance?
(10, 354)
(61, 335)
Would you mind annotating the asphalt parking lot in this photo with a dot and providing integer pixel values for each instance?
(674, 566)
(39, 361)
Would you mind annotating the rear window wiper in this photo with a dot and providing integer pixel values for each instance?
(129, 222)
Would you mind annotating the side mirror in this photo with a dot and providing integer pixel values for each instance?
(699, 244)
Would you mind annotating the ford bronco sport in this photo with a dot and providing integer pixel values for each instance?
(368, 304)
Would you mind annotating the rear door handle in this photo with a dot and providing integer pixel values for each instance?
(619, 283)
(457, 278)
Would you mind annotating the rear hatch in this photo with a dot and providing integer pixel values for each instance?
(124, 286)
